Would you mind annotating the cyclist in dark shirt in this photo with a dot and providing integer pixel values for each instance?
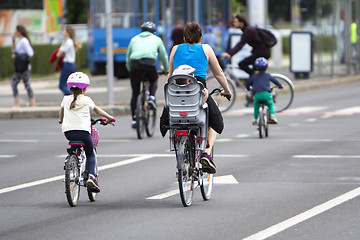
(260, 85)
(250, 36)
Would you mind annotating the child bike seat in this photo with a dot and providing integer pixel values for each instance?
(183, 98)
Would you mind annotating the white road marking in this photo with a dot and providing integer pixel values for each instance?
(326, 156)
(304, 215)
(300, 110)
(19, 140)
(133, 159)
(224, 140)
(7, 156)
(52, 179)
(242, 136)
(228, 179)
(342, 112)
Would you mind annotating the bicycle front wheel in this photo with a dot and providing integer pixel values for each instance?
(150, 120)
(224, 104)
(282, 98)
(207, 180)
(72, 176)
(140, 116)
(186, 158)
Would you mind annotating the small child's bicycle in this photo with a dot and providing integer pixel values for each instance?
(76, 174)
(263, 120)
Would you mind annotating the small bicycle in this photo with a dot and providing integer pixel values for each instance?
(145, 113)
(283, 99)
(76, 174)
(188, 128)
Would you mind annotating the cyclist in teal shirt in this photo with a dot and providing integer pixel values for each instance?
(141, 58)
(260, 85)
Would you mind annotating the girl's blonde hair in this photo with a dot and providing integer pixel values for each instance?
(70, 30)
(76, 92)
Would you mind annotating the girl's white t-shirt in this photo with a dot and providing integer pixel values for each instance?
(68, 48)
(79, 117)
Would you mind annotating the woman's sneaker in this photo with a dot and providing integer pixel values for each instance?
(207, 163)
(92, 184)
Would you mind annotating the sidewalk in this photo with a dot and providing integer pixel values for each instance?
(48, 96)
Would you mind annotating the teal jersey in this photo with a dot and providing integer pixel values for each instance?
(146, 45)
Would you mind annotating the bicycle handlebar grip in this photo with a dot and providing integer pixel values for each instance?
(60, 122)
(113, 120)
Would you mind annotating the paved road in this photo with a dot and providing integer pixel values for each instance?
(300, 183)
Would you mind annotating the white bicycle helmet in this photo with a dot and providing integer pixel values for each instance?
(184, 70)
(78, 80)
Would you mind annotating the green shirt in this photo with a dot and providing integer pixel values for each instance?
(146, 45)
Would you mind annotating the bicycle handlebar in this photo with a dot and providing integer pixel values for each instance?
(228, 97)
(102, 121)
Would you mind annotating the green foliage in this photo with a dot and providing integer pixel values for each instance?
(39, 62)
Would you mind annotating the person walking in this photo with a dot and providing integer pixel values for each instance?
(68, 50)
(21, 52)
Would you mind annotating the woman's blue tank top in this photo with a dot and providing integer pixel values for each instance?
(192, 55)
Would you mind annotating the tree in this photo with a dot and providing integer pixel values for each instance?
(76, 11)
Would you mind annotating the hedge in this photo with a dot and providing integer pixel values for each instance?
(39, 62)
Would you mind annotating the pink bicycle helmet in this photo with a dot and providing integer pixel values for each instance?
(78, 80)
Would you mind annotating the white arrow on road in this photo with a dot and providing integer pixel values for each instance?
(228, 179)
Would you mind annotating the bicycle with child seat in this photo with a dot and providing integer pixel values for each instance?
(282, 100)
(76, 174)
(188, 128)
(145, 113)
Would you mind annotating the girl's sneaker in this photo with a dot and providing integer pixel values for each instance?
(92, 184)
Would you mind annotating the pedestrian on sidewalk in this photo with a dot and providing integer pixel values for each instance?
(68, 50)
(21, 52)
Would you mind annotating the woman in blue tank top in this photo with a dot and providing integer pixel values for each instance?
(199, 56)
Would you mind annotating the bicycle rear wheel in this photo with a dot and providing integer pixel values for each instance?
(261, 126)
(266, 123)
(224, 104)
(72, 176)
(186, 157)
(140, 116)
(207, 180)
(92, 195)
(283, 98)
(150, 120)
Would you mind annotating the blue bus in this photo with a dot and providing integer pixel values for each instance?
(127, 17)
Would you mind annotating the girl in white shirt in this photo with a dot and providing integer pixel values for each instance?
(21, 52)
(68, 50)
(76, 120)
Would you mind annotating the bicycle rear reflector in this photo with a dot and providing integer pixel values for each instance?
(183, 114)
(181, 133)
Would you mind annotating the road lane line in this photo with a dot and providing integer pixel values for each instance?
(19, 140)
(326, 156)
(304, 215)
(134, 158)
(7, 156)
(228, 179)
(52, 179)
